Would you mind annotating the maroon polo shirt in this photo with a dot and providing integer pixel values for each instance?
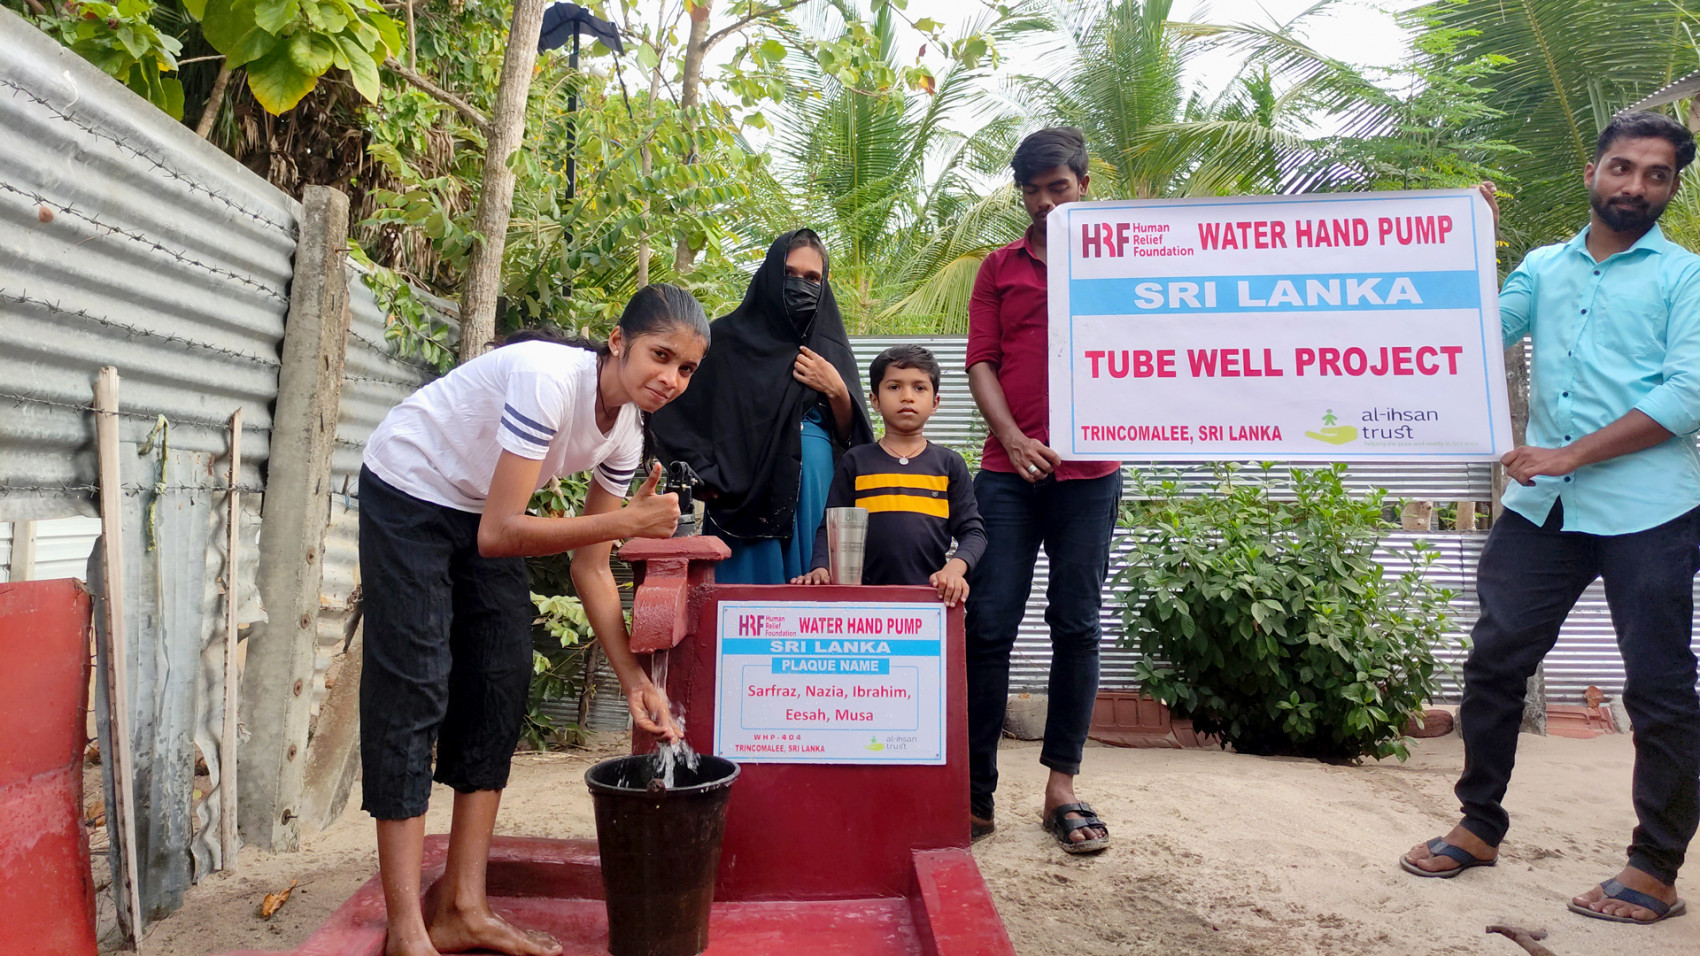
(1008, 327)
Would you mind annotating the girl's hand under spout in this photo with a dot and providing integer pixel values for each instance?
(652, 713)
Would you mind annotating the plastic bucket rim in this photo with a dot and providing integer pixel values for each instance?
(596, 786)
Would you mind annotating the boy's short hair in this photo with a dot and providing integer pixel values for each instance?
(903, 356)
(1048, 149)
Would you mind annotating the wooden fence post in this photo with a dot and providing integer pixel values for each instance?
(296, 512)
(22, 563)
(121, 759)
(230, 845)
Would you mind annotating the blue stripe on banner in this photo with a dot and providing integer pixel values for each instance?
(510, 426)
(541, 428)
(856, 646)
(1336, 292)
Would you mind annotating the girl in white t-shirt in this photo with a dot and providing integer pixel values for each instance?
(443, 537)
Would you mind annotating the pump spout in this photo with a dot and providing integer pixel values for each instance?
(669, 571)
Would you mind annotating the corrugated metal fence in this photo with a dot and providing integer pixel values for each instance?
(1587, 648)
(127, 240)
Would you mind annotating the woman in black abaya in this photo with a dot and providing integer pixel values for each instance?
(770, 408)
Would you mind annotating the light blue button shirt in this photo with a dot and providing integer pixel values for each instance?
(1610, 337)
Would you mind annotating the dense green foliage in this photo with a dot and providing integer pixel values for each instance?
(1567, 66)
(824, 114)
(1265, 619)
(1261, 614)
(122, 39)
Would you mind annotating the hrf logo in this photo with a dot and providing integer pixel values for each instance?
(1099, 239)
(749, 625)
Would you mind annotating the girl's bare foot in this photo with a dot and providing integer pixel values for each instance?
(413, 942)
(455, 930)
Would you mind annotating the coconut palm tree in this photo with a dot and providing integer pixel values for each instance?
(1572, 64)
(885, 173)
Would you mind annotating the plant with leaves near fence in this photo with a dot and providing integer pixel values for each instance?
(1266, 619)
(563, 645)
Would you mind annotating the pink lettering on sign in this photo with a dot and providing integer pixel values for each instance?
(1384, 361)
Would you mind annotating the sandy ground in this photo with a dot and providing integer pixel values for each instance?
(1215, 853)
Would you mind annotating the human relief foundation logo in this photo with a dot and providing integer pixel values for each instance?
(1332, 432)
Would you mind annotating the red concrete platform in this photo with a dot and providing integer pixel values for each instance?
(556, 886)
(827, 859)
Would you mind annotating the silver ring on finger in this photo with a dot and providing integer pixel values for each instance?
(1032, 469)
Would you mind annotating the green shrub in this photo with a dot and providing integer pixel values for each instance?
(1267, 621)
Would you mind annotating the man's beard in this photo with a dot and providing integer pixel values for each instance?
(1624, 215)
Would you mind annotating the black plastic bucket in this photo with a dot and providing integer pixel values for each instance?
(660, 850)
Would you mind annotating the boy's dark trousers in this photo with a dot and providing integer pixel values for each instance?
(1529, 578)
(1074, 521)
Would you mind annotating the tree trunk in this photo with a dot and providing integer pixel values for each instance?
(495, 200)
(696, 48)
(643, 238)
(643, 250)
(215, 101)
(1517, 390)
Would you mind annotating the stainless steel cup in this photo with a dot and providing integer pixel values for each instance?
(846, 536)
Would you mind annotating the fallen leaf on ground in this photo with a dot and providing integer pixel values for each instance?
(274, 901)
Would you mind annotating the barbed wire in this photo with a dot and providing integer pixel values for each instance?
(288, 229)
(131, 490)
(54, 308)
(24, 298)
(396, 382)
(140, 239)
(387, 352)
(18, 399)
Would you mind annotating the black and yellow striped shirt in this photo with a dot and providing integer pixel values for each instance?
(914, 511)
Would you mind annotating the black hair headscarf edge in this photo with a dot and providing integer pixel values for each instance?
(738, 425)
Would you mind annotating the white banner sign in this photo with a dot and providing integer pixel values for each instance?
(1327, 327)
(851, 682)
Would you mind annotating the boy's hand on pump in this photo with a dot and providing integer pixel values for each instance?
(651, 712)
(651, 515)
(953, 587)
(817, 576)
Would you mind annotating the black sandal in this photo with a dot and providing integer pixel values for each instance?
(1057, 824)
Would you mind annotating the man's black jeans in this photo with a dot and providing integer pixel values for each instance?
(1074, 520)
(1530, 577)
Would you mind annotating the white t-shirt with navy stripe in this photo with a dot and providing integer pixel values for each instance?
(535, 399)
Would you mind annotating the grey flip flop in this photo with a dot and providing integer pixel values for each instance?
(1617, 891)
(1058, 825)
(1439, 847)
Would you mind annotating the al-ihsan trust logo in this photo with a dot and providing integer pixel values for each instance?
(1332, 432)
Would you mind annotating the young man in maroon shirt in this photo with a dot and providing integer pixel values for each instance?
(1028, 497)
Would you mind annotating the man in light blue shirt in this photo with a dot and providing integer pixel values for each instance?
(1608, 486)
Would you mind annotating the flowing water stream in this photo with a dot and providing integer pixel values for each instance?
(669, 756)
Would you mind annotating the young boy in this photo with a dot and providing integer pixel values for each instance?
(918, 494)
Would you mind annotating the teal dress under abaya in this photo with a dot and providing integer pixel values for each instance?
(778, 560)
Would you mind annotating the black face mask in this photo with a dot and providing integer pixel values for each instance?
(802, 297)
